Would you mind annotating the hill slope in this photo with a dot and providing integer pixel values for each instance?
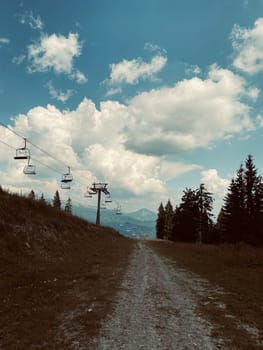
(51, 262)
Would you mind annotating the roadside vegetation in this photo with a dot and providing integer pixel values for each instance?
(235, 304)
(231, 256)
(58, 273)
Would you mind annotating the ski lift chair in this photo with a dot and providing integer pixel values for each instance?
(67, 177)
(66, 180)
(103, 205)
(65, 185)
(108, 199)
(22, 153)
(118, 210)
(88, 193)
(29, 169)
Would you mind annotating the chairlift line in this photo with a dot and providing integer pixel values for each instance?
(29, 169)
(66, 180)
(22, 152)
(65, 186)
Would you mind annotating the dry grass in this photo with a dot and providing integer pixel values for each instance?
(58, 275)
(238, 312)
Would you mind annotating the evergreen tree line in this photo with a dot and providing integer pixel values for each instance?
(56, 202)
(240, 218)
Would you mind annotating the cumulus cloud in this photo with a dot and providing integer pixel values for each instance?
(130, 72)
(92, 142)
(57, 53)
(214, 183)
(137, 173)
(127, 144)
(194, 113)
(248, 47)
(59, 95)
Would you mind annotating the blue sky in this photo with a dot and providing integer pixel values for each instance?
(151, 96)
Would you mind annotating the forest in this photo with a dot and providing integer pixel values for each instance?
(240, 218)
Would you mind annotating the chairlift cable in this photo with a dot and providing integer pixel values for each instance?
(7, 145)
(40, 149)
(14, 132)
(34, 145)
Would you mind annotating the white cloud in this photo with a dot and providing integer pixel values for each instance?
(126, 145)
(214, 183)
(248, 47)
(170, 170)
(59, 95)
(113, 91)
(154, 48)
(57, 53)
(130, 72)
(260, 120)
(92, 142)
(136, 173)
(79, 77)
(34, 22)
(18, 59)
(193, 69)
(194, 113)
(4, 41)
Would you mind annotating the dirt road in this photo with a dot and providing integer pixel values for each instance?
(156, 309)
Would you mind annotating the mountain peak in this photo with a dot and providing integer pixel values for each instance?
(143, 214)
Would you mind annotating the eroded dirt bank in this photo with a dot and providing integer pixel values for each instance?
(156, 309)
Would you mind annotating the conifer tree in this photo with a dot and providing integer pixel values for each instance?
(186, 218)
(192, 218)
(160, 222)
(32, 195)
(68, 206)
(168, 224)
(232, 218)
(204, 204)
(253, 202)
(42, 198)
(57, 201)
(241, 217)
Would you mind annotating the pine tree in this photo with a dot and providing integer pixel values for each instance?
(192, 218)
(168, 224)
(42, 198)
(253, 202)
(68, 206)
(186, 218)
(232, 218)
(57, 201)
(241, 217)
(205, 207)
(32, 195)
(160, 222)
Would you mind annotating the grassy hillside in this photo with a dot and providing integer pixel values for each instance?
(56, 274)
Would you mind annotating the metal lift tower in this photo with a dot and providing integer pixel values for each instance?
(97, 188)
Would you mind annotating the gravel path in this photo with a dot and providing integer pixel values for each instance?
(156, 309)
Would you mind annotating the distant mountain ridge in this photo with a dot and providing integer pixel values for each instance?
(135, 224)
(143, 215)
